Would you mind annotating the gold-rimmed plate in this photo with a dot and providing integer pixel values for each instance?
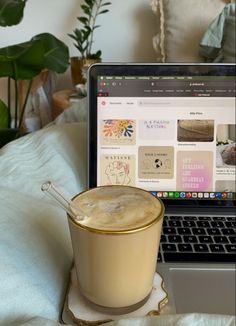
(79, 312)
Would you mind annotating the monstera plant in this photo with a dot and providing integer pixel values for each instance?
(25, 61)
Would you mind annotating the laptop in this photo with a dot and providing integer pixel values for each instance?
(170, 129)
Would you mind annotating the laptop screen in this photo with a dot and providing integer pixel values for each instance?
(167, 129)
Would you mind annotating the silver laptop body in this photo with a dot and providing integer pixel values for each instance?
(179, 143)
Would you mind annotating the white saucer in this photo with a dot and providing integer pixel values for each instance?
(80, 313)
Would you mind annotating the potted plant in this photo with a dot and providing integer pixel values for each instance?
(24, 61)
(83, 38)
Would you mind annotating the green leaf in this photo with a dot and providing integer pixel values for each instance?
(74, 37)
(103, 11)
(86, 10)
(78, 34)
(55, 52)
(44, 51)
(6, 70)
(22, 61)
(11, 12)
(79, 47)
(83, 20)
(96, 55)
(88, 28)
(12, 52)
(26, 57)
(105, 4)
(4, 115)
(89, 2)
(86, 34)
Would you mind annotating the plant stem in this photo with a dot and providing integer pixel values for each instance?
(87, 41)
(94, 21)
(16, 92)
(16, 102)
(9, 101)
(25, 103)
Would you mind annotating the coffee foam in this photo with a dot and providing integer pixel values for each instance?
(116, 208)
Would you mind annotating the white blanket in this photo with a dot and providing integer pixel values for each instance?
(35, 248)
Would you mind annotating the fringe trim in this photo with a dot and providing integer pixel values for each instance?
(159, 39)
(162, 30)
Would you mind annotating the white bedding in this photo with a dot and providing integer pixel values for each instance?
(35, 248)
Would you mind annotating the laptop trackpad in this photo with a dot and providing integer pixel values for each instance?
(204, 290)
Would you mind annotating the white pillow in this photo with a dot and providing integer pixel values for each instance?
(182, 24)
(35, 247)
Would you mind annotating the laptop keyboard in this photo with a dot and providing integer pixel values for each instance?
(198, 239)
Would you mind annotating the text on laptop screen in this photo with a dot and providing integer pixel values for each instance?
(174, 136)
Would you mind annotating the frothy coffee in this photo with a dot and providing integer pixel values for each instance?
(118, 208)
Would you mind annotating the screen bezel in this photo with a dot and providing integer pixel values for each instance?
(145, 69)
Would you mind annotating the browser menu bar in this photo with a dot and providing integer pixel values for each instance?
(133, 86)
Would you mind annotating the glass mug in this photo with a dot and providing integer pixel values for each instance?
(116, 246)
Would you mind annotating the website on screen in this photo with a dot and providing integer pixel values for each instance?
(173, 136)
